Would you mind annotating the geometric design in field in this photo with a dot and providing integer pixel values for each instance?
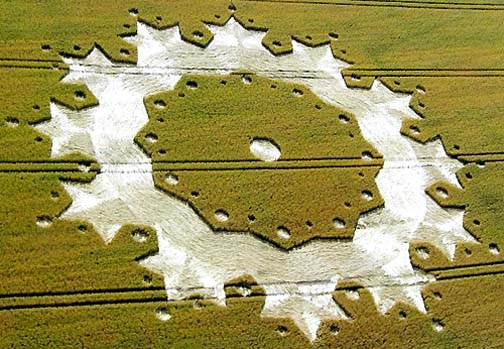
(194, 259)
(317, 173)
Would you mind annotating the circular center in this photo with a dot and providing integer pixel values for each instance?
(265, 149)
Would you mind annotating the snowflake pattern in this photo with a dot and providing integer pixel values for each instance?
(192, 258)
